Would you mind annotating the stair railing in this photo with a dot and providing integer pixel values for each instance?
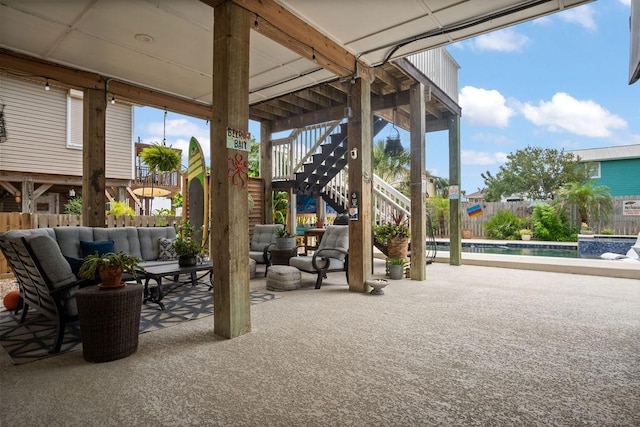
(387, 200)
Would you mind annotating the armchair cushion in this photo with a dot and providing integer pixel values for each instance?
(263, 235)
(336, 236)
(47, 253)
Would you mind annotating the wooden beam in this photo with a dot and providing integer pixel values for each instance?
(229, 212)
(93, 158)
(312, 118)
(359, 129)
(40, 70)
(266, 170)
(313, 97)
(41, 190)
(280, 25)
(455, 242)
(42, 178)
(10, 188)
(417, 193)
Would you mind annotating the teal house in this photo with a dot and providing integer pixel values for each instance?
(616, 167)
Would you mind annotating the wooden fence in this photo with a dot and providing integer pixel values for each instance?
(620, 224)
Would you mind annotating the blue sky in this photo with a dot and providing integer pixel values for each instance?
(557, 82)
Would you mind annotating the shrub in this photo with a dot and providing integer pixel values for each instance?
(73, 206)
(551, 225)
(505, 225)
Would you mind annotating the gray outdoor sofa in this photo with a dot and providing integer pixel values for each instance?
(42, 259)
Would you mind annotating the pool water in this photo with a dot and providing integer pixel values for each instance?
(530, 250)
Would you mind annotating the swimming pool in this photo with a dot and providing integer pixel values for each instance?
(562, 251)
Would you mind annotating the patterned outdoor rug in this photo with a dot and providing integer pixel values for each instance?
(31, 340)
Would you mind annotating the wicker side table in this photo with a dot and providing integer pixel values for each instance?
(109, 321)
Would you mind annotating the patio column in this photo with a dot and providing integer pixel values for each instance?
(360, 142)
(94, 109)
(266, 170)
(455, 257)
(229, 242)
(418, 209)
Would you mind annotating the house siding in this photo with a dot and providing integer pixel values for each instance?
(36, 122)
(621, 176)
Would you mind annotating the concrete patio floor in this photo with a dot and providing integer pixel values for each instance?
(471, 345)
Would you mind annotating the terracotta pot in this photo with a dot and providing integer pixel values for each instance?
(111, 277)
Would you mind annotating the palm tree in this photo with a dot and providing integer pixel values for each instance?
(593, 202)
(393, 167)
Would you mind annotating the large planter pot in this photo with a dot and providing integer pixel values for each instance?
(398, 247)
(526, 237)
(285, 242)
(396, 271)
(187, 260)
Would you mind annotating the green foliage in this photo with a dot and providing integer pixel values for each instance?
(537, 172)
(282, 232)
(396, 261)
(550, 224)
(73, 206)
(254, 159)
(185, 245)
(119, 209)
(121, 260)
(438, 208)
(594, 202)
(162, 213)
(505, 225)
(177, 200)
(280, 207)
(383, 232)
(392, 168)
(161, 158)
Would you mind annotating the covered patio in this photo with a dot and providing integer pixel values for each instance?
(466, 347)
(160, 53)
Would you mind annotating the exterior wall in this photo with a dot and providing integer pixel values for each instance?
(621, 176)
(36, 123)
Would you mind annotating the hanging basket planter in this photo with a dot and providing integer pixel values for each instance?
(398, 247)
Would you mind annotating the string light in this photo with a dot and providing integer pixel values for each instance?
(46, 86)
(113, 99)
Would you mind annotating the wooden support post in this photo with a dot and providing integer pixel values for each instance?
(418, 208)
(229, 210)
(455, 251)
(360, 182)
(266, 170)
(93, 158)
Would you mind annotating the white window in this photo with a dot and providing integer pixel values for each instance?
(594, 170)
(74, 118)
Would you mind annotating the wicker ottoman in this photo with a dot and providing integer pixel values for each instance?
(283, 278)
(252, 268)
(109, 321)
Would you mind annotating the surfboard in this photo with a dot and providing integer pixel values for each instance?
(198, 192)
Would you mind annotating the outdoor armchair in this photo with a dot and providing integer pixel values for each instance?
(264, 237)
(332, 254)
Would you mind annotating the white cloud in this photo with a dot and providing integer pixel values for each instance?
(177, 127)
(625, 2)
(581, 15)
(492, 138)
(565, 113)
(506, 40)
(471, 157)
(484, 107)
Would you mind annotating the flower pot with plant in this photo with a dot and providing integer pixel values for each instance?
(109, 267)
(525, 234)
(284, 239)
(186, 247)
(394, 235)
(396, 268)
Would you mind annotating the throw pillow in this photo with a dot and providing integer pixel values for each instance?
(102, 247)
(74, 263)
(167, 251)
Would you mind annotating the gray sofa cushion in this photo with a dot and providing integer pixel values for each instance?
(263, 234)
(336, 236)
(125, 239)
(12, 234)
(149, 240)
(69, 238)
(47, 253)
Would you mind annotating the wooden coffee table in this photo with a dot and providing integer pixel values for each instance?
(173, 270)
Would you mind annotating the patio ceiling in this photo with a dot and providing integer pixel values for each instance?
(303, 52)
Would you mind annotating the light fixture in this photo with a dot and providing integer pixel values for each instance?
(393, 147)
(46, 86)
(72, 193)
(144, 38)
(113, 99)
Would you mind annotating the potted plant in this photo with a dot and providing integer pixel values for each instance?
(284, 239)
(187, 248)
(525, 234)
(394, 235)
(109, 267)
(396, 268)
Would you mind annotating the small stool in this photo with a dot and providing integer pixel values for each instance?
(283, 278)
(252, 268)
